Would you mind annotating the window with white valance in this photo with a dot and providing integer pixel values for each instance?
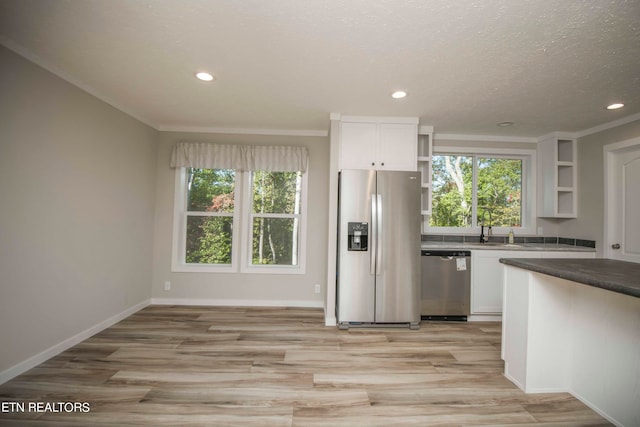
(239, 208)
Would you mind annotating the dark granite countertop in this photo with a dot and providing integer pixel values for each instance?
(504, 247)
(617, 276)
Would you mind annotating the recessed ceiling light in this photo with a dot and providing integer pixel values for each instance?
(399, 94)
(505, 124)
(205, 77)
(614, 106)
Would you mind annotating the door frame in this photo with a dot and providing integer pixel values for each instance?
(610, 151)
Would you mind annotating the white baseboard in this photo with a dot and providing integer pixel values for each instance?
(511, 377)
(484, 318)
(236, 302)
(47, 354)
(34, 361)
(596, 409)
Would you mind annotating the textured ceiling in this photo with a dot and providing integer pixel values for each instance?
(547, 65)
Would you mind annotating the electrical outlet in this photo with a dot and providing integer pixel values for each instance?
(317, 289)
(167, 285)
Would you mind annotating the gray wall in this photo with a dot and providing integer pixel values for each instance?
(77, 198)
(590, 221)
(238, 288)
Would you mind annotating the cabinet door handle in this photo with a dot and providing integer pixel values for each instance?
(615, 246)
(373, 163)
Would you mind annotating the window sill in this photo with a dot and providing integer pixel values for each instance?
(194, 268)
(263, 269)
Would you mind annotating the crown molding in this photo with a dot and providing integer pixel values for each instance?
(374, 119)
(609, 125)
(557, 134)
(565, 135)
(487, 138)
(425, 129)
(246, 131)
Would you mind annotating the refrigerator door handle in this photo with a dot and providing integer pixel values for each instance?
(379, 235)
(374, 234)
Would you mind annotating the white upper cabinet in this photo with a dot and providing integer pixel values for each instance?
(557, 175)
(381, 143)
(358, 148)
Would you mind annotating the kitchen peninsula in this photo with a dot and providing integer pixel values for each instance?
(573, 325)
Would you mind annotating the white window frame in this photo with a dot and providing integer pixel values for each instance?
(248, 215)
(528, 157)
(241, 250)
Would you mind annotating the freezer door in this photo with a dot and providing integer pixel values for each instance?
(398, 238)
(356, 273)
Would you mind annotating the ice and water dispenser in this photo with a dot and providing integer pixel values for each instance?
(358, 236)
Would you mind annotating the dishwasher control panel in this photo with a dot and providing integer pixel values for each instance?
(446, 253)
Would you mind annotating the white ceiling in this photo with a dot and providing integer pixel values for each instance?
(547, 65)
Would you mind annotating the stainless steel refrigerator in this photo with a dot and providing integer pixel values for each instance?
(378, 266)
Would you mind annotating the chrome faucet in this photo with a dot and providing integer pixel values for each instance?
(485, 238)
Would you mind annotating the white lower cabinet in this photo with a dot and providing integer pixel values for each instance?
(487, 275)
(486, 278)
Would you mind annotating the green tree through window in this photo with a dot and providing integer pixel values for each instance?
(274, 215)
(498, 189)
(452, 178)
(210, 206)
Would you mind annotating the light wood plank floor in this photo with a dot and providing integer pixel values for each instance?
(212, 366)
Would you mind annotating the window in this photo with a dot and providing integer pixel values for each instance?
(452, 195)
(209, 216)
(499, 191)
(229, 220)
(275, 217)
(470, 189)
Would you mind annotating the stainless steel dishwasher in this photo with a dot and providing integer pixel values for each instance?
(446, 284)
